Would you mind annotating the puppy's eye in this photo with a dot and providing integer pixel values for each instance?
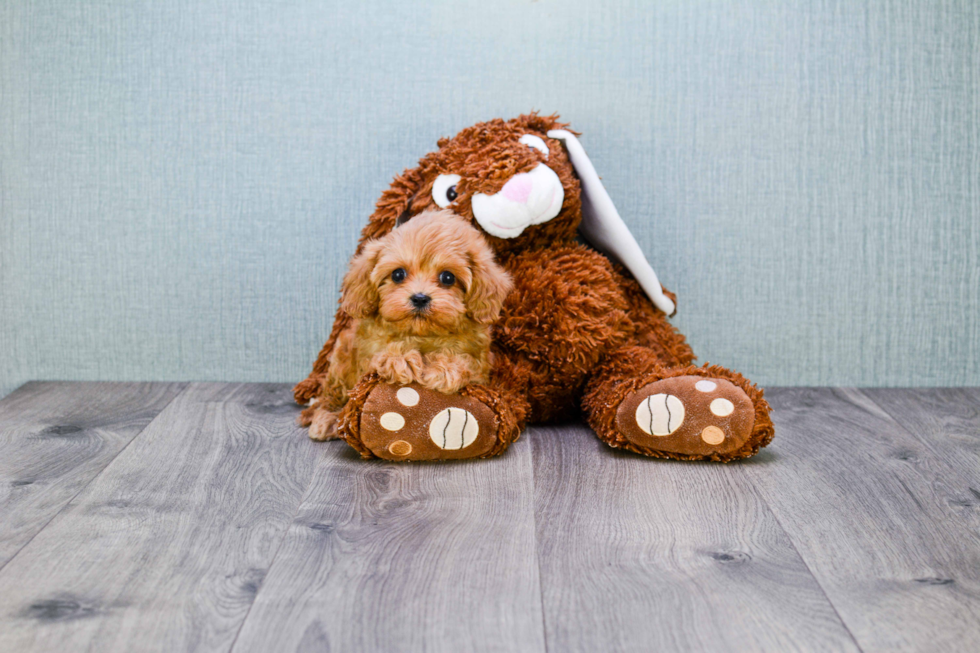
(399, 275)
(447, 278)
(444, 190)
(535, 143)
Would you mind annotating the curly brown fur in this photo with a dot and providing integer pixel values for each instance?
(467, 154)
(561, 331)
(486, 156)
(572, 313)
(421, 301)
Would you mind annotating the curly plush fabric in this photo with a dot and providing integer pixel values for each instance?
(577, 332)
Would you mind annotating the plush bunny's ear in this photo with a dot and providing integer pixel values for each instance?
(604, 229)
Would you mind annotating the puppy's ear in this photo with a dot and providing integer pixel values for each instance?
(359, 295)
(489, 288)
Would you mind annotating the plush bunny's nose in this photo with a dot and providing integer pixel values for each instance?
(518, 188)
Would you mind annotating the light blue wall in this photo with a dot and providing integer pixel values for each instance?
(181, 183)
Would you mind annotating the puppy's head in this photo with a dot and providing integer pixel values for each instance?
(428, 276)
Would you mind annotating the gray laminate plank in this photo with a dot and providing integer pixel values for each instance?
(872, 511)
(947, 421)
(55, 438)
(639, 554)
(166, 549)
(406, 557)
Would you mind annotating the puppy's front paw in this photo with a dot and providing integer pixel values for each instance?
(399, 369)
(447, 381)
(450, 374)
(323, 425)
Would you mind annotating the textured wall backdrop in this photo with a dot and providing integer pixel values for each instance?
(181, 183)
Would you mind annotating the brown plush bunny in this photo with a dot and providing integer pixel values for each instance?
(578, 331)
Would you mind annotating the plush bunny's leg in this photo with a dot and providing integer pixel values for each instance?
(414, 423)
(685, 412)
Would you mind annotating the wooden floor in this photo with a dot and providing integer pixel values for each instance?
(137, 517)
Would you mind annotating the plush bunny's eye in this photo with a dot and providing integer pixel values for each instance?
(534, 142)
(444, 190)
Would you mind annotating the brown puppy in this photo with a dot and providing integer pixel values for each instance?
(423, 299)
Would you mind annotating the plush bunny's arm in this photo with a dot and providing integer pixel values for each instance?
(604, 228)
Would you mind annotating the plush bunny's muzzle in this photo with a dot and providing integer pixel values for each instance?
(526, 199)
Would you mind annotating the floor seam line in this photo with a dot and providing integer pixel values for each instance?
(806, 564)
(913, 433)
(537, 550)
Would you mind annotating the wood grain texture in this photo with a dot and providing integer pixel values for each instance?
(220, 526)
(947, 422)
(406, 557)
(167, 548)
(55, 438)
(645, 555)
(874, 514)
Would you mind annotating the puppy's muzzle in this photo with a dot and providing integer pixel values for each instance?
(420, 301)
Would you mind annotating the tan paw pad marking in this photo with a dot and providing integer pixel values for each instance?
(722, 407)
(407, 396)
(660, 414)
(712, 435)
(453, 428)
(706, 386)
(400, 448)
(392, 421)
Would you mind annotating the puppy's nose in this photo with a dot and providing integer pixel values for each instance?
(420, 300)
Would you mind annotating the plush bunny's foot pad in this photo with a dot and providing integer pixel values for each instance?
(413, 423)
(687, 415)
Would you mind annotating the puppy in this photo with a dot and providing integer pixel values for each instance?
(423, 298)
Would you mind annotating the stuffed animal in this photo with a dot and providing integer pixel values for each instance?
(584, 329)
